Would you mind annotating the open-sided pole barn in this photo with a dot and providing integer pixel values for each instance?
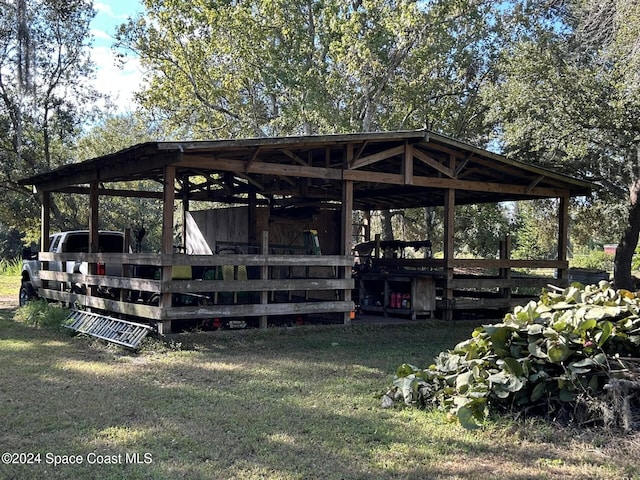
(277, 177)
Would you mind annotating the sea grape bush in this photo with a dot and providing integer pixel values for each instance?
(547, 356)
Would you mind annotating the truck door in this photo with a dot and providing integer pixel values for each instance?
(54, 243)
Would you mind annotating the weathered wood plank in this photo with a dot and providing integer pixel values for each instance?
(124, 308)
(202, 260)
(532, 282)
(272, 285)
(103, 280)
(256, 310)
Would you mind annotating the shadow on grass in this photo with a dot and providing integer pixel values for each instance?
(278, 404)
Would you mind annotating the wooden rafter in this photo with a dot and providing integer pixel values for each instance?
(377, 157)
(432, 162)
(462, 165)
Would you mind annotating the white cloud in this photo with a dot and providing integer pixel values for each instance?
(103, 8)
(101, 34)
(119, 83)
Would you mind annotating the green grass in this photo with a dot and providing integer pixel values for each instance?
(9, 286)
(300, 403)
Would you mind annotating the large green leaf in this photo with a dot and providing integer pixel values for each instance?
(512, 365)
(538, 391)
(463, 380)
(598, 312)
(558, 353)
(466, 418)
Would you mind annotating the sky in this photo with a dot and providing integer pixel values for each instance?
(119, 83)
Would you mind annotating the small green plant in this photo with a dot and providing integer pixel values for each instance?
(40, 313)
(574, 352)
(10, 267)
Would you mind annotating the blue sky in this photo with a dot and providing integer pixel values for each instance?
(119, 83)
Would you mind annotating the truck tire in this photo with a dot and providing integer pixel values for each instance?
(26, 294)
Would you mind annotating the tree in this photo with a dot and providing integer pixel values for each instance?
(43, 98)
(115, 133)
(480, 228)
(567, 98)
(276, 67)
(536, 230)
(265, 67)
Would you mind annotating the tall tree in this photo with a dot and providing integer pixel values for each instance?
(111, 134)
(276, 67)
(282, 67)
(43, 93)
(568, 97)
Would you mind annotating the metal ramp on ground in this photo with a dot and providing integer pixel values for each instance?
(114, 330)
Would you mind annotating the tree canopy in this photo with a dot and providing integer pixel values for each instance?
(44, 94)
(274, 67)
(552, 83)
(566, 97)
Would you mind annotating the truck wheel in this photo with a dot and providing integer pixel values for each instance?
(27, 293)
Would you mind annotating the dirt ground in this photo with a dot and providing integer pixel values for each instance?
(8, 301)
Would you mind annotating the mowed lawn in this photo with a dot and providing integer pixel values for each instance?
(301, 403)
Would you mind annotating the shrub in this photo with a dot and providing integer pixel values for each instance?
(574, 353)
(595, 260)
(40, 313)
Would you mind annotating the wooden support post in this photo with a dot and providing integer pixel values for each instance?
(264, 275)
(126, 268)
(45, 221)
(407, 163)
(169, 196)
(94, 204)
(563, 238)
(45, 230)
(505, 254)
(449, 228)
(347, 228)
(185, 209)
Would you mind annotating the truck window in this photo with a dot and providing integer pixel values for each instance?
(111, 243)
(78, 242)
(53, 242)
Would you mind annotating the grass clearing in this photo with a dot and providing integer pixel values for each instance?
(277, 404)
(9, 286)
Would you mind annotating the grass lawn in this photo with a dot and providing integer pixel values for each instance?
(9, 286)
(299, 403)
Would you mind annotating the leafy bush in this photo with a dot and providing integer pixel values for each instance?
(40, 313)
(574, 352)
(595, 259)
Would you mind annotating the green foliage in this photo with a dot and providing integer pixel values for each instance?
(41, 314)
(594, 259)
(480, 228)
(243, 69)
(10, 266)
(535, 230)
(45, 65)
(559, 352)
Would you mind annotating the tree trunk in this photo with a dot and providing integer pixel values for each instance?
(387, 227)
(627, 246)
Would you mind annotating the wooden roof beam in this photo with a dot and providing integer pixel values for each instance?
(432, 162)
(462, 165)
(295, 158)
(535, 182)
(377, 157)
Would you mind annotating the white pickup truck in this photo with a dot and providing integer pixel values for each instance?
(76, 241)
